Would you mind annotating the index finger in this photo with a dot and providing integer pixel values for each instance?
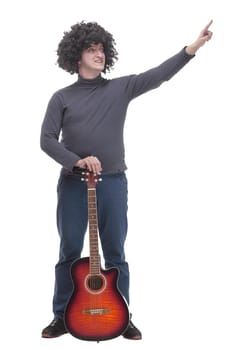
(207, 26)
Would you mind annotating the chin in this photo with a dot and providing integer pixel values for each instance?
(100, 67)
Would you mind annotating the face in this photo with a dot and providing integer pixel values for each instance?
(92, 61)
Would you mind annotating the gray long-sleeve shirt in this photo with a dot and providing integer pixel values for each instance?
(91, 115)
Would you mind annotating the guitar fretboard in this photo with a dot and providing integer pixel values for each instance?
(93, 232)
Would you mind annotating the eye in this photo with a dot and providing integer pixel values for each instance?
(91, 49)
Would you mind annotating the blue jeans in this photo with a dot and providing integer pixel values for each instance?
(72, 219)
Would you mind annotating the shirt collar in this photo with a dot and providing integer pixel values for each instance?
(89, 82)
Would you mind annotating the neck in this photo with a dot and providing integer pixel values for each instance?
(93, 231)
(88, 74)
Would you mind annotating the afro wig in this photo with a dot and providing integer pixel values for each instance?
(81, 36)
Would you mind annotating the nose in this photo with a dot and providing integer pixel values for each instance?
(100, 52)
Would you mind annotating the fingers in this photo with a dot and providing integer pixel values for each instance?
(91, 163)
(205, 34)
(207, 26)
(209, 35)
(205, 31)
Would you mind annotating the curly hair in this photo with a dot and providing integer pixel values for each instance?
(81, 36)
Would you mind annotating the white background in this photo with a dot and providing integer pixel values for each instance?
(179, 153)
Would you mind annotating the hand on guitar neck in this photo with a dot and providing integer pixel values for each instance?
(90, 163)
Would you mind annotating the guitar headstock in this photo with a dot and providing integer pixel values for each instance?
(91, 179)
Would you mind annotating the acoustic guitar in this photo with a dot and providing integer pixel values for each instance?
(96, 310)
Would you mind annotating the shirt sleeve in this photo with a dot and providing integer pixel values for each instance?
(50, 132)
(140, 83)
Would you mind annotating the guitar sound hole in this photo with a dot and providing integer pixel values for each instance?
(95, 282)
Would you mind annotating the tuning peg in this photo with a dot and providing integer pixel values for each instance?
(100, 179)
(82, 179)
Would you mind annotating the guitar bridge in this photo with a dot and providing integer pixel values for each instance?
(99, 311)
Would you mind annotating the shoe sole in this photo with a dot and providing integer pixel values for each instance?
(137, 337)
(46, 336)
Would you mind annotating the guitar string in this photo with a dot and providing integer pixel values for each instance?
(95, 260)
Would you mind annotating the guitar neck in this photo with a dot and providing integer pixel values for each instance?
(93, 232)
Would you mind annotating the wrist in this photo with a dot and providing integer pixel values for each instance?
(191, 49)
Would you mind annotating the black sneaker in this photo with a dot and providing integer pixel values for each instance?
(55, 329)
(132, 332)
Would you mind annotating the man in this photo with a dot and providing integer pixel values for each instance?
(90, 114)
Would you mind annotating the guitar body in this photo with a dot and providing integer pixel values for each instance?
(96, 310)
